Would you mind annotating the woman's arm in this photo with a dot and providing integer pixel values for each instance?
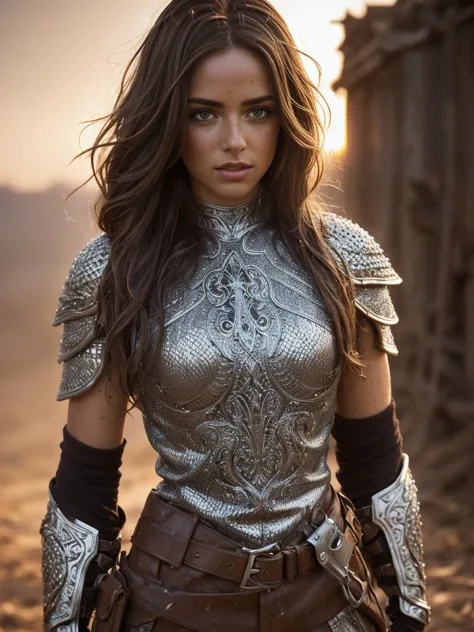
(97, 417)
(374, 474)
(83, 504)
(87, 479)
(360, 397)
(83, 520)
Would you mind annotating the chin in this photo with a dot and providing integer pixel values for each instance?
(234, 193)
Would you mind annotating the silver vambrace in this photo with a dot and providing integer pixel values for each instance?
(68, 549)
(396, 511)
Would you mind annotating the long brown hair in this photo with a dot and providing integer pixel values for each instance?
(145, 200)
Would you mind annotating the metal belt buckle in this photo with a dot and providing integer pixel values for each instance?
(334, 551)
(270, 549)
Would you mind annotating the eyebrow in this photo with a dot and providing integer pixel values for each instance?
(218, 104)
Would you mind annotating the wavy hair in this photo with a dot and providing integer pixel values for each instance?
(145, 202)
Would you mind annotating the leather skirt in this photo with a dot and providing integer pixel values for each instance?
(183, 576)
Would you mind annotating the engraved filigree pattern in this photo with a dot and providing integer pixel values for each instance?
(229, 223)
(243, 317)
(413, 524)
(349, 620)
(67, 550)
(241, 400)
(396, 510)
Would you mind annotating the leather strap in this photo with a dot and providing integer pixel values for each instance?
(161, 591)
(287, 564)
(157, 535)
(151, 601)
(233, 612)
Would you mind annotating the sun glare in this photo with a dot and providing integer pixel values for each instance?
(336, 134)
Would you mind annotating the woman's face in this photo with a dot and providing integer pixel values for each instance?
(232, 128)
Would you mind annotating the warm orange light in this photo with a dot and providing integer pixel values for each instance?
(336, 134)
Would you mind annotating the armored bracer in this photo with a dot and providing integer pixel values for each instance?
(82, 350)
(69, 547)
(359, 256)
(392, 530)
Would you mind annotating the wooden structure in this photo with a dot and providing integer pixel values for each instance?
(409, 179)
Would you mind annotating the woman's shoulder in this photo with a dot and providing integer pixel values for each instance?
(357, 252)
(80, 288)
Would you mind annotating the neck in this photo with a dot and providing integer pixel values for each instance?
(252, 203)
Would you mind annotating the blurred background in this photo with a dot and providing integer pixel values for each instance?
(399, 80)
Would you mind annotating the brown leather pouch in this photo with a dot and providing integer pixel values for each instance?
(111, 603)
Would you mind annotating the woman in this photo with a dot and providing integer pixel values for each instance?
(238, 319)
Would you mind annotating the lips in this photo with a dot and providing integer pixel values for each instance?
(234, 166)
(234, 171)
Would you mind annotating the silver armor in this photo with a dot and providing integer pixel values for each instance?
(240, 403)
(68, 549)
(81, 351)
(396, 511)
(360, 256)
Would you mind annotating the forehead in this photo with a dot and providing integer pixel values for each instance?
(231, 73)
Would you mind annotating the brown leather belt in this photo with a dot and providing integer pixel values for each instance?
(183, 571)
(186, 541)
(232, 612)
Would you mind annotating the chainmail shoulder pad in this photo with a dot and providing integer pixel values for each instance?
(82, 351)
(67, 550)
(396, 510)
(359, 256)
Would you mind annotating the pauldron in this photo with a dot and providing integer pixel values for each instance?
(82, 349)
(359, 256)
(393, 521)
(68, 549)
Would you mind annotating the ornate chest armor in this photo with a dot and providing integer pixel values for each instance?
(241, 401)
(240, 406)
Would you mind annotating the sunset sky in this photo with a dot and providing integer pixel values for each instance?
(61, 62)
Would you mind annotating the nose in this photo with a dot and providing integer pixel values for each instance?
(233, 138)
